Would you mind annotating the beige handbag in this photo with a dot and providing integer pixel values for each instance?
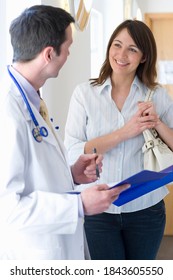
(157, 155)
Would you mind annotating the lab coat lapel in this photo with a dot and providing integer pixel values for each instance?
(51, 139)
(57, 142)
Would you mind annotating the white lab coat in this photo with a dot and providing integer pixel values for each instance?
(38, 220)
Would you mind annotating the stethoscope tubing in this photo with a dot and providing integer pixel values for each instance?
(37, 132)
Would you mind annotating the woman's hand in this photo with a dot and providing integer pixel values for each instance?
(145, 118)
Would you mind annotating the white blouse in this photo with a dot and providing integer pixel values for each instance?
(93, 113)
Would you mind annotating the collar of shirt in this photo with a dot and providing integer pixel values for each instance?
(101, 88)
(28, 89)
(136, 83)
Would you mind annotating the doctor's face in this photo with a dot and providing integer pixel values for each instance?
(59, 60)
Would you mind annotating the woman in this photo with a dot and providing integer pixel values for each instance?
(108, 113)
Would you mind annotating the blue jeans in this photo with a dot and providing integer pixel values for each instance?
(126, 236)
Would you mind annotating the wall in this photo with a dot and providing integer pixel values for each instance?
(2, 35)
(57, 92)
(112, 12)
(8, 11)
(155, 6)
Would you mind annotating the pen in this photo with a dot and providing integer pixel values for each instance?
(97, 167)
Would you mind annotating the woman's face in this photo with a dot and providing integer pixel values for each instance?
(124, 55)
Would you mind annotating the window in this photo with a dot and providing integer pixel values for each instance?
(96, 27)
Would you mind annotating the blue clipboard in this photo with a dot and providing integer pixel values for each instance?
(142, 183)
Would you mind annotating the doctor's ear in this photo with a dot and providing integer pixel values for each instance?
(48, 53)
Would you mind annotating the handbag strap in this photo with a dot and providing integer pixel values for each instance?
(149, 95)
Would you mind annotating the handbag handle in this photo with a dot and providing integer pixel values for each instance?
(149, 95)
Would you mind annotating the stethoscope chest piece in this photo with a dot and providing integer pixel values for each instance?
(43, 131)
(38, 132)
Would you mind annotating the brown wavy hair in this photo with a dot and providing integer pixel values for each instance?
(145, 41)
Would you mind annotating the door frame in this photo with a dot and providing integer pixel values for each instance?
(148, 19)
(151, 16)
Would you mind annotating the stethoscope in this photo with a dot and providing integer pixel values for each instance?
(37, 132)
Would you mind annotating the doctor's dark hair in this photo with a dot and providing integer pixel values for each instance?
(38, 27)
(144, 40)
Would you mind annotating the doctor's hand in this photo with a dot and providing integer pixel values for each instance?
(98, 198)
(84, 169)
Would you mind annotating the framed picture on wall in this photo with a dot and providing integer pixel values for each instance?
(127, 9)
(80, 9)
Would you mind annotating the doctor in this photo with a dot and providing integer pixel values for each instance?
(39, 218)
